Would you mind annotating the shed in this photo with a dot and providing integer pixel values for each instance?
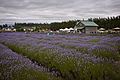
(86, 26)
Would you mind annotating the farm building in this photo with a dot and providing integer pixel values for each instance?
(86, 27)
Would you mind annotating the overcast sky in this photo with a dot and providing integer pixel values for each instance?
(55, 10)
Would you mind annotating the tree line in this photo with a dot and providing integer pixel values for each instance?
(107, 23)
(52, 26)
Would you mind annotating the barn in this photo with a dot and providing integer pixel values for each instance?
(86, 27)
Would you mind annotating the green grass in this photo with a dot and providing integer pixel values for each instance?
(67, 46)
(22, 39)
(114, 35)
(28, 36)
(94, 41)
(98, 34)
(40, 38)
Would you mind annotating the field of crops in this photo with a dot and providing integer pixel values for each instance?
(37, 56)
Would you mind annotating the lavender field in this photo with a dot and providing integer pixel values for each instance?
(37, 56)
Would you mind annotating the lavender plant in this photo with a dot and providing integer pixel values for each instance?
(71, 57)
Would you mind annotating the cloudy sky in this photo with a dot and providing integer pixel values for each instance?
(55, 10)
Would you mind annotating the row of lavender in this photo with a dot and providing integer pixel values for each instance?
(17, 67)
(70, 56)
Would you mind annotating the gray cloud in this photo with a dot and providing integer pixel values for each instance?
(56, 10)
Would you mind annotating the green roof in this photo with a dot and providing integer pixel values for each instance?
(86, 23)
(89, 23)
(78, 27)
